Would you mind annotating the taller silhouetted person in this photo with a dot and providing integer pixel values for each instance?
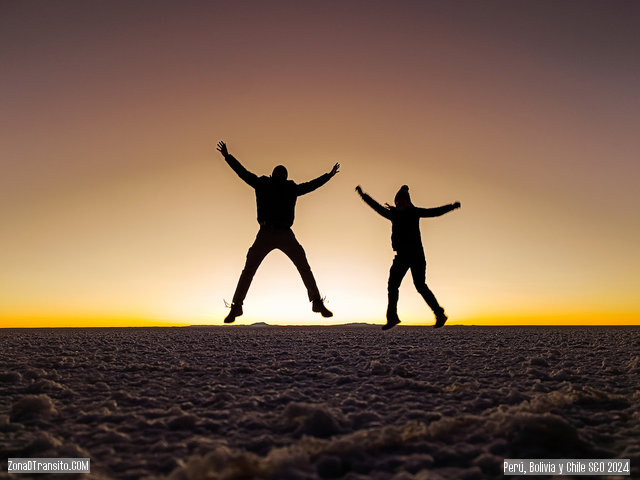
(276, 202)
(406, 241)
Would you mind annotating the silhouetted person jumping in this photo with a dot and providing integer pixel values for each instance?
(276, 201)
(406, 241)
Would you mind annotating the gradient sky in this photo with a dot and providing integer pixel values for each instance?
(117, 209)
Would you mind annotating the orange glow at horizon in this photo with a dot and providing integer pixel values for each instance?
(288, 320)
(117, 209)
(52, 322)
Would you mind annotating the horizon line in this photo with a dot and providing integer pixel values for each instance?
(351, 324)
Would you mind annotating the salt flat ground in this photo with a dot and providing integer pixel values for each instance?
(313, 402)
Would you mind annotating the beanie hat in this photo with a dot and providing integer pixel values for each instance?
(403, 194)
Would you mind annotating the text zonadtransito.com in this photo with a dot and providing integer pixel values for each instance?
(49, 465)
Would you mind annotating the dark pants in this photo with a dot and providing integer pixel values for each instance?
(267, 240)
(415, 261)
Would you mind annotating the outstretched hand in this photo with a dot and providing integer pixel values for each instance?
(222, 148)
(335, 169)
(456, 205)
(359, 189)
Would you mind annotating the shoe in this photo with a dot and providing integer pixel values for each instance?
(236, 311)
(318, 307)
(392, 320)
(441, 318)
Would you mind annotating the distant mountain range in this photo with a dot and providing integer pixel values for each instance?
(352, 324)
(264, 324)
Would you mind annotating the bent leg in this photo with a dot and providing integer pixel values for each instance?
(260, 248)
(292, 249)
(418, 272)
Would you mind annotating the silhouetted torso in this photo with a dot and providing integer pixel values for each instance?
(405, 230)
(276, 202)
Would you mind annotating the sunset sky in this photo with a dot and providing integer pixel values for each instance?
(117, 209)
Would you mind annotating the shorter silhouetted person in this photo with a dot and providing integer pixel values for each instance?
(406, 241)
(276, 201)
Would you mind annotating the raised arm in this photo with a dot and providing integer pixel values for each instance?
(437, 211)
(311, 185)
(385, 212)
(243, 173)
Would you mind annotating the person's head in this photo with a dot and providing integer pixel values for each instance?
(402, 198)
(280, 173)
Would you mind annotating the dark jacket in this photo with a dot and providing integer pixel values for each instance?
(276, 200)
(405, 224)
